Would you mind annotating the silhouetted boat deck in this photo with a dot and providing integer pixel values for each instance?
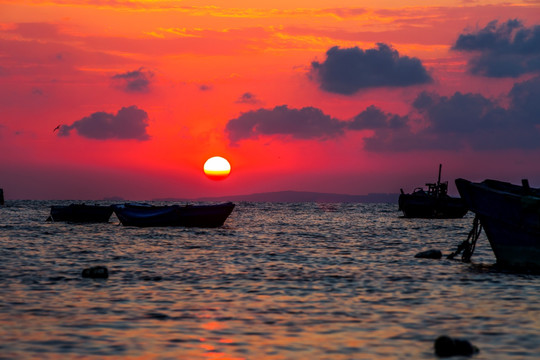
(433, 203)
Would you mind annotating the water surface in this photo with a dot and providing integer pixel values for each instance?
(278, 281)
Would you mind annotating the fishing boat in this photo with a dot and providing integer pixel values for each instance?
(142, 215)
(80, 213)
(435, 203)
(510, 217)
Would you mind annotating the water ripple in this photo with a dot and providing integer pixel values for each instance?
(279, 281)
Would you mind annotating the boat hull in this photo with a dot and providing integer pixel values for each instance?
(418, 206)
(80, 213)
(510, 216)
(174, 215)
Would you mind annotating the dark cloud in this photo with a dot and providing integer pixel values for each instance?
(137, 81)
(205, 87)
(525, 101)
(346, 71)
(502, 50)
(375, 118)
(248, 98)
(460, 113)
(306, 123)
(448, 123)
(128, 123)
(467, 120)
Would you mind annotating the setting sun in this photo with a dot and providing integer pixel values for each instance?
(217, 168)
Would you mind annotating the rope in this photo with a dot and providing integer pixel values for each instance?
(468, 246)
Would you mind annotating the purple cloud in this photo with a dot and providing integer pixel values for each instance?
(129, 123)
(375, 118)
(450, 123)
(248, 98)
(468, 120)
(502, 50)
(305, 123)
(137, 81)
(346, 71)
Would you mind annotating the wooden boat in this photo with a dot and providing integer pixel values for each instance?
(80, 213)
(433, 203)
(510, 216)
(142, 215)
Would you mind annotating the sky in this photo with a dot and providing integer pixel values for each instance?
(129, 98)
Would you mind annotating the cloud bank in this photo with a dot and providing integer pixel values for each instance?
(451, 123)
(502, 50)
(128, 123)
(346, 71)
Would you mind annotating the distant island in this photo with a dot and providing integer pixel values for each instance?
(300, 196)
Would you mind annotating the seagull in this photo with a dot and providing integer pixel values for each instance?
(56, 128)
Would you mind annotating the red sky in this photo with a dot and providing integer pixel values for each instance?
(329, 96)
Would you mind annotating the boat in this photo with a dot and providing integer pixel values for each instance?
(80, 213)
(143, 215)
(510, 217)
(435, 203)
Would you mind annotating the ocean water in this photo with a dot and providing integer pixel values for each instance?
(278, 281)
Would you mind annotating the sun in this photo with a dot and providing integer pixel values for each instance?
(217, 168)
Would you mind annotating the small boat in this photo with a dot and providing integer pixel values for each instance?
(143, 215)
(80, 213)
(510, 217)
(435, 203)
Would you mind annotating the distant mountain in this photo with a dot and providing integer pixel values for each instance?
(302, 196)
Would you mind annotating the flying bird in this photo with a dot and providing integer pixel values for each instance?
(56, 128)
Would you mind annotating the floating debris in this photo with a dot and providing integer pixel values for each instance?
(429, 254)
(445, 346)
(96, 272)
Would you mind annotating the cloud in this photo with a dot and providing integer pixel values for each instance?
(467, 120)
(129, 123)
(346, 71)
(502, 50)
(305, 123)
(374, 118)
(35, 30)
(455, 122)
(248, 98)
(134, 81)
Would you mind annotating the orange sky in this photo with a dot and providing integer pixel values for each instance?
(329, 96)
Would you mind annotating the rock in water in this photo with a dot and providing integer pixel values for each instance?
(429, 254)
(445, 346)
(96, 272)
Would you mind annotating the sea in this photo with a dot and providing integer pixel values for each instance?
(277, 281)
